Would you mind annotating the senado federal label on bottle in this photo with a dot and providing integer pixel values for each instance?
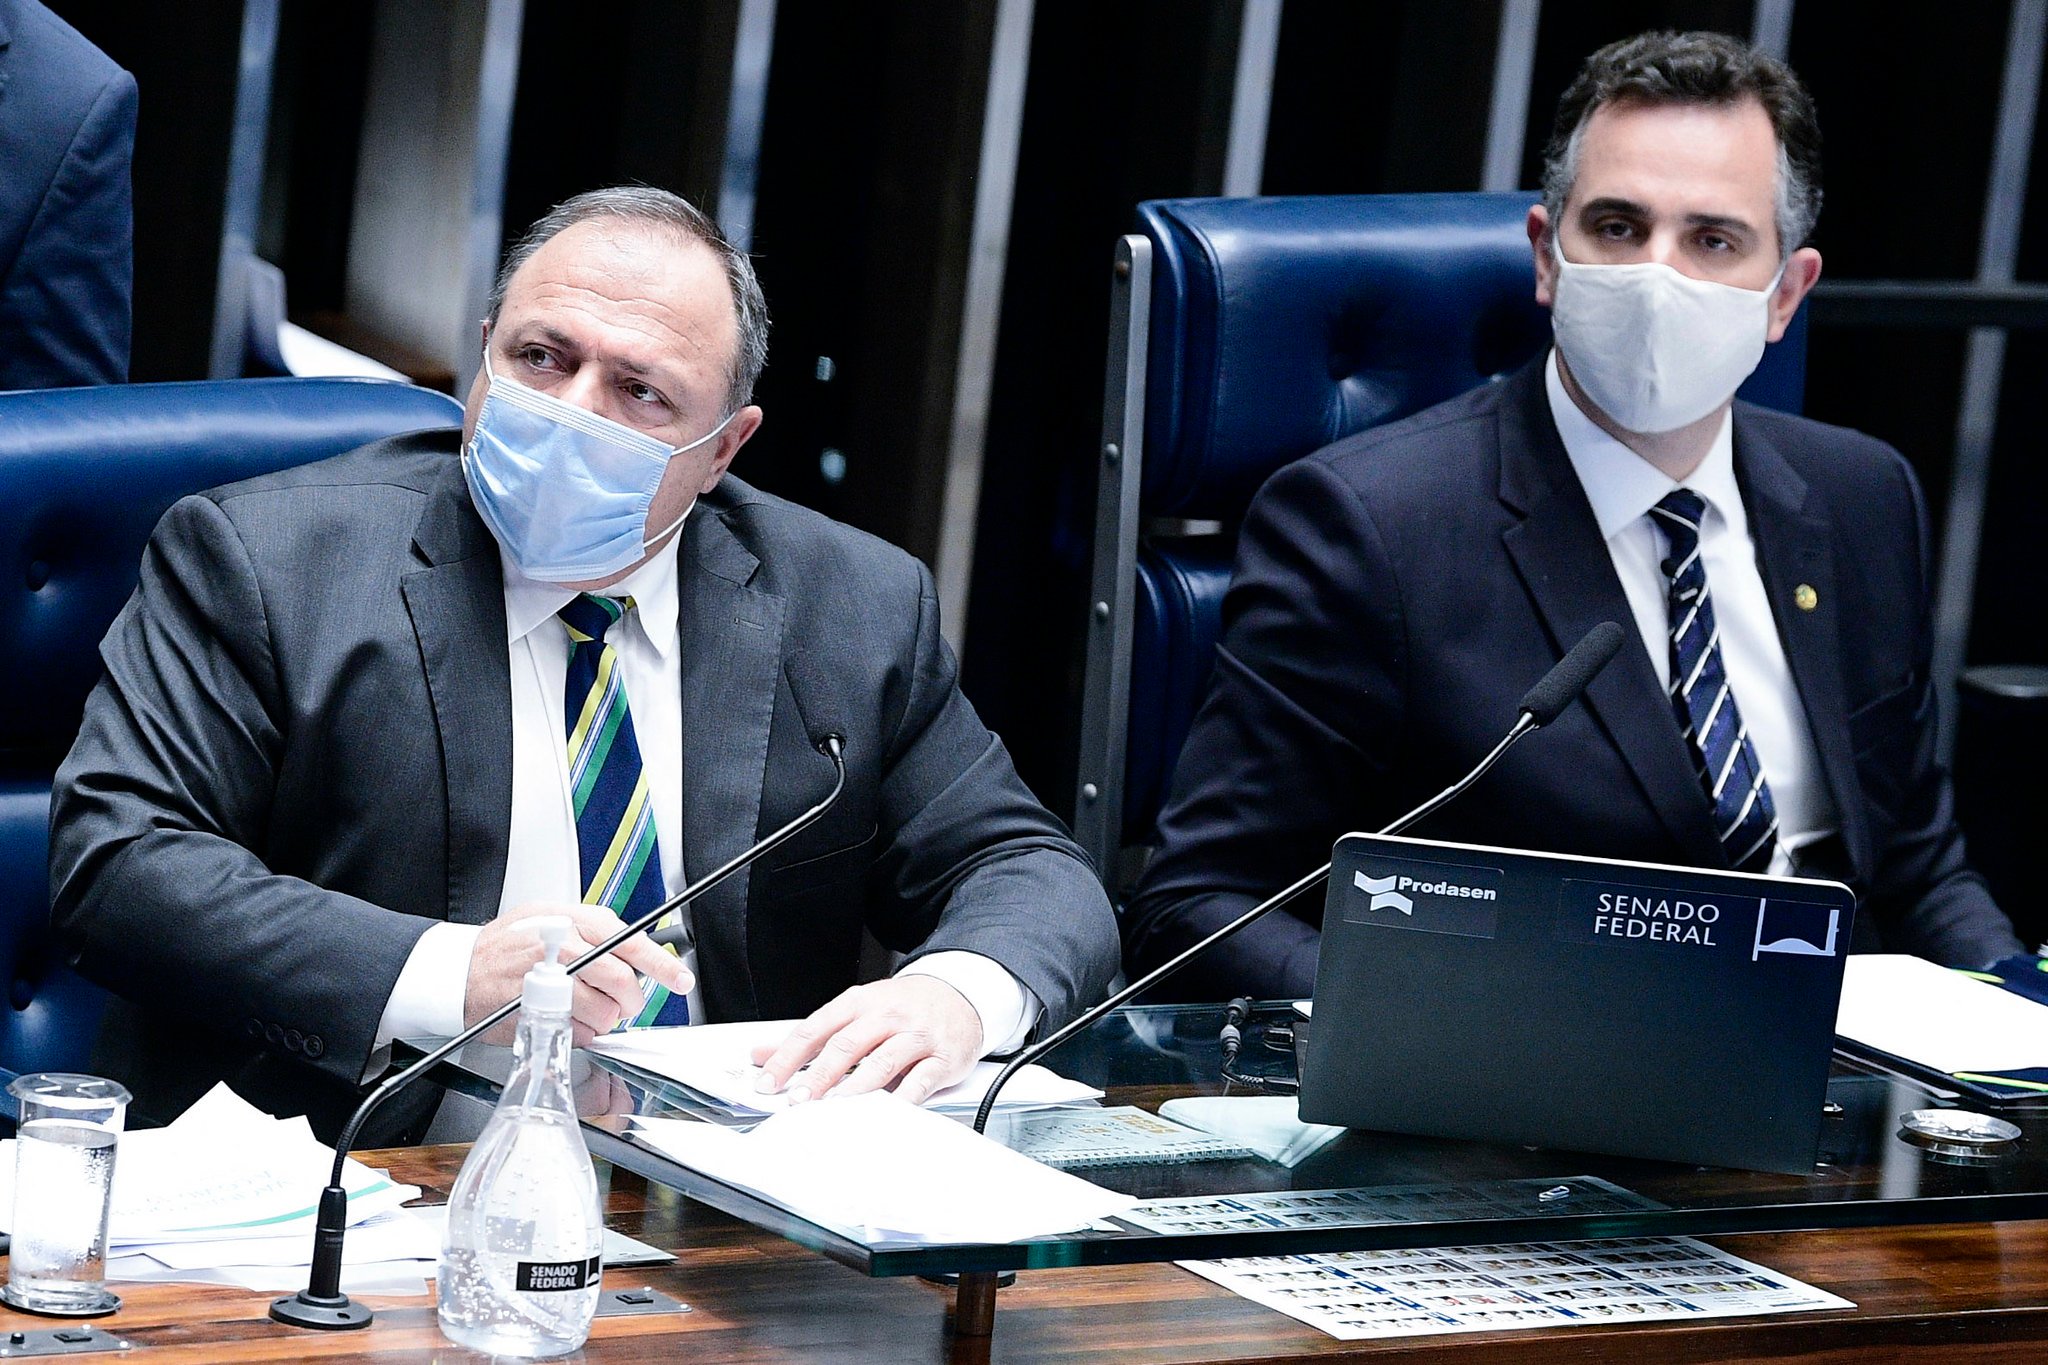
(543, 1276)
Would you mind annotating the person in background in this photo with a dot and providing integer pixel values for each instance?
(67, 221)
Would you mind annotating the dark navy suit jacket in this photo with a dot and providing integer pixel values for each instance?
(1398, 591)
(67, 135)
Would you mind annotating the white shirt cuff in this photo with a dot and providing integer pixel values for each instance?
(427, 1001)
(1008, 1009)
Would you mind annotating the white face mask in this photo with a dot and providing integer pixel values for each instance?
(1656, 350)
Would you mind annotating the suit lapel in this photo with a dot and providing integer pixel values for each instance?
(1795, 547)
(457, 606)
(732, 658)
(1563, 562)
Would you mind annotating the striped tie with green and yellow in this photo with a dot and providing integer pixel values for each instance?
(621, 863)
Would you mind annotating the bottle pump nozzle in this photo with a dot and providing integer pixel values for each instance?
(548, 986)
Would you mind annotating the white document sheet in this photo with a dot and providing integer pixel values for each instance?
(395, 1278)
(401, 1235)
(225, 1169)
(880, 1170)
(1939, 1018)
(1268, 1124)
(717, 1059)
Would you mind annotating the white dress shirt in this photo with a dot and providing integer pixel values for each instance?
(541, 859)
(1623, 487)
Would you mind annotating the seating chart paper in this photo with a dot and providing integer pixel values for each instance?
(1355, 1295)
(1385, 1204)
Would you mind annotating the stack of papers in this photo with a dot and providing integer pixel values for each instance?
(879, 1170)
(227, 1195)
(717, 1060)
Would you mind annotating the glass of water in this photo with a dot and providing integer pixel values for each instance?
(63, 1183)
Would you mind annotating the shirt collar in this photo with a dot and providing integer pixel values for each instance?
(1621, 485)
(652, 586)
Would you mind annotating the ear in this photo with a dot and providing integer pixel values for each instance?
(744, 424)
(1546, 264)
(1802, 272)
(473, 406)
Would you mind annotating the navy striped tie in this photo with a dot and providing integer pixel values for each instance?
(615, 838)
(1745, 818)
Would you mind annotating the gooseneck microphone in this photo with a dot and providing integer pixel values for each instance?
(1541, 705)
(321, 1303)
(1573, 674)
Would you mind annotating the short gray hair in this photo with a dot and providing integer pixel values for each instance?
(646, 204)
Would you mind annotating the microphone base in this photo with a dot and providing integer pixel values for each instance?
(305, 1309)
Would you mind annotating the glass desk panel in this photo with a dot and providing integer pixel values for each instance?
(1868, 1175)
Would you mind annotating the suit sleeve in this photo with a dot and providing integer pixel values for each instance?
(1302, 717)
(965, 843)
(1925, 896)
(161, 811)
(65, 306)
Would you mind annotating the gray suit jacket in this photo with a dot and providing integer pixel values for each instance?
(299, 759)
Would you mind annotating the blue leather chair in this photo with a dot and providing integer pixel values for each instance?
(1246, 333)
(84, 476)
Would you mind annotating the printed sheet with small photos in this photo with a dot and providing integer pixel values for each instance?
(1477, 1200)
(1355, 1295)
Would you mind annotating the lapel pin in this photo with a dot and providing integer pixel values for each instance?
(1805, 598)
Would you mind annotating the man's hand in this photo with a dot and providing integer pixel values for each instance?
(600, 1094)
(914, 1027)
(606, 991)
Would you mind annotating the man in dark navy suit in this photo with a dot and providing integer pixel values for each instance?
(67, 134)
(1397, 591)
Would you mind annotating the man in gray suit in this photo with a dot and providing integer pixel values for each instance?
(363, 718)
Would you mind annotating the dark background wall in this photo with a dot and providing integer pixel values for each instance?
(869, 144)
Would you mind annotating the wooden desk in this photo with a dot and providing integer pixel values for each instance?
(1950, 1294)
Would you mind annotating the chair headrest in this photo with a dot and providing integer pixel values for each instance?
(86, 473)
(1279, 325)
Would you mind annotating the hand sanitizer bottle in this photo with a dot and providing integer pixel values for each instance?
(519, 1261)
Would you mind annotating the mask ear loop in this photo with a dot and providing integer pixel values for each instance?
(1771, 289)
(657, 538)
(649, 542)
(490, 379)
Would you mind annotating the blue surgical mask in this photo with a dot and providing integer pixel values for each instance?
(565, 491)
